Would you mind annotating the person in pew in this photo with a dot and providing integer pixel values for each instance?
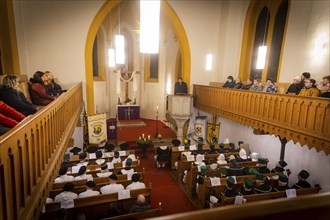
(212, 150)
(141, 205)
(238, 83)
(279, 167)
(112, 187)
(64, 177)
(116, 157)
(38, 91)
(82, 174)
(310, 89)
(109, 147)
(235, 169)
(223, 172)
(90, 185)
(242, 157)
(52, 87)
(9, 117)
(104, 171)
(232, 148)
(82, 158)
(127, 169)
(256, 86)
(75, 150)
(326, 91)
(247, 188)
(262, 186)
(302, 183)
(262, 164)
(222, 148)
(270, 86)
(99, 156)
(221, 159)
(248, 84)
(230, 83)
(136, 184)
(131, 155)
(282, 183)
(230, 191)
(12, 96)
(304, 76)
(295, 87)
(200, 149)
(67, 193)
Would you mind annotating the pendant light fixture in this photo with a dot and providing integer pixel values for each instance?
(120, 43)
(262, 50)
(149, 29)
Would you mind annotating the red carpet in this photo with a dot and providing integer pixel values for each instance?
(164, 188)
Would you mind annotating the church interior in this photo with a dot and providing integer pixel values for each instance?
(118, 98)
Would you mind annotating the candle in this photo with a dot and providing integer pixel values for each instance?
(145, 139)
(143, 135)
(139, 138)
(148, 136)
(157, 107)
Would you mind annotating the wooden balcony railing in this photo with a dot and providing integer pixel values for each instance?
(30, 155)
(302, 119)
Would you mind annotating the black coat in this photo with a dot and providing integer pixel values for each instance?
(301, 185)
(294, 88)
(16, 100)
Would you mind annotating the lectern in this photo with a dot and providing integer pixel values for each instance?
(179, 107)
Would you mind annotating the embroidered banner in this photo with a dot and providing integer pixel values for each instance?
(97, 128)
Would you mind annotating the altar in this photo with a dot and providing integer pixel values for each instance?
(128, 112)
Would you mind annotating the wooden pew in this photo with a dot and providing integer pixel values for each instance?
(74, 159)
(95, 207)
(204, 191)
(138, 215)
(266, 196)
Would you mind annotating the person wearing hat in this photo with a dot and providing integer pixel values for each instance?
(112, 187)
(262, 164)
(295, 87)
(82, 174)
(230, 191)
(302, 183)
(279, 167)
(242, 157)
(104, 171)
(200, 149)
(67, 193)
(222, 148)
(200, 178)
(99, 156)
(212, 149)
(282, 183)
(116, 158)
(82, 158)
(136, 184)
(176, 142)
(223, 171)
(63, 175)
(262, 186)
(90, 185)
(270, 86)
(232, 147)
(235, 169)
(221, 159)
(109, 147)
(247, 188)
(127, 169)
(75, 150)
(131, 156)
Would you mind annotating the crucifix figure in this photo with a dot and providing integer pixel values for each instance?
(128, 113)
(127, 76)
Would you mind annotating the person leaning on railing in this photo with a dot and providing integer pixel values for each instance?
(38, 91)
(9, 117)
(12, 96)
(310, 88)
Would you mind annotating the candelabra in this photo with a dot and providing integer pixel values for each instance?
(156, 122)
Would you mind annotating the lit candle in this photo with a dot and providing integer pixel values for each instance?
(142, 135)
(148, 136)
(139, 138)
(145, 139)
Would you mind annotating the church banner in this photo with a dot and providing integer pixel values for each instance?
(213, 129)
(97, 128)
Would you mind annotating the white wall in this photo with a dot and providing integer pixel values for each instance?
(307, 20)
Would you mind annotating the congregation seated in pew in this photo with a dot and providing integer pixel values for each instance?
(136, 184)
(67, 193)
(90, 185)
(113, 186)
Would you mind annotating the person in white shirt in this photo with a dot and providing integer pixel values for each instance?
(221, 159)
(116, 158)
(67, 193)
(63, 175)
(127, 169)
(99, 156)
(82, 158)
(90, 185)
(82, 174)
(113, 187)
(104, 171)
(136, 184)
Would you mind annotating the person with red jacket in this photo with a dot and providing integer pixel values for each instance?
(9, 117)
(38, 91)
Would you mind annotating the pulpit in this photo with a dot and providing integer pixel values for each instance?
(128, 112)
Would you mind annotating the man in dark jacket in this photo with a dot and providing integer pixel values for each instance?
(230, 83)
(140, 205)
(302, 183)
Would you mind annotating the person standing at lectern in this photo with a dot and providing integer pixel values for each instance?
(180, 87)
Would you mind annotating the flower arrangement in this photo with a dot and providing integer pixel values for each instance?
(144, 140)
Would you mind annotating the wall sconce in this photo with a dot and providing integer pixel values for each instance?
(209, 61)
(149, 29)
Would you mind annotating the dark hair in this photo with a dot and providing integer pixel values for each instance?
(230, 77)
(259, 80)
(270, 80)
(313, 81)
(37, 76)
(307, 75)
(180, 78)
(327, 77)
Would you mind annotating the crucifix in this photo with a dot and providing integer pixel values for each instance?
(128, 113)
(127, 76)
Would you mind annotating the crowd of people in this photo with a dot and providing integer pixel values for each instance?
(302, 85)
(15, 105)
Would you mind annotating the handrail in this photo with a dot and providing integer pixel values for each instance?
(31, 153)
(302, 119)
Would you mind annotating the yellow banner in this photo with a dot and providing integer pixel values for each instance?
(97, 128)
(213, 129)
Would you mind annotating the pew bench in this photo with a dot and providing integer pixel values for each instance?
(95, 207)
(138, 215)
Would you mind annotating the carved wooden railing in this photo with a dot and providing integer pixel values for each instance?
(30, 155)
(302, 119)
